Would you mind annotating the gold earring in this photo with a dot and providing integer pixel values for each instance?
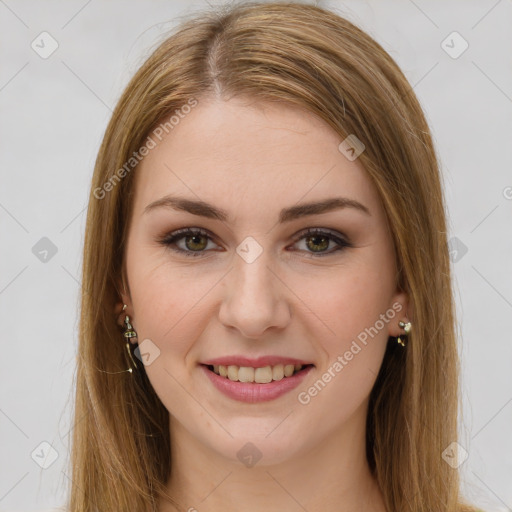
(129, 334)
(407, 328)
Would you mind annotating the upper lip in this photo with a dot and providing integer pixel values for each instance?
(259, 362)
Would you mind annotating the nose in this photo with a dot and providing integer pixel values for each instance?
(255, 298)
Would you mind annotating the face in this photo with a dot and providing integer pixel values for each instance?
(250, 282)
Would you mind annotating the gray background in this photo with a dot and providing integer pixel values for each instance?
(53, 114)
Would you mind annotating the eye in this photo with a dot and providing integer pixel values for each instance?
(318, 240)
(196, 241)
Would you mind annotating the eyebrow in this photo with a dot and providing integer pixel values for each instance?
(203, 209)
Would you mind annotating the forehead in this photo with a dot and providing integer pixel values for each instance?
(251, 154)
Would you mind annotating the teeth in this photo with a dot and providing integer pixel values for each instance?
(259, 375)
(233, 372)
(278, 372)
(263, 375)
(246, 374)
(288, 370)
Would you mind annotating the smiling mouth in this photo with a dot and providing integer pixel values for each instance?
(262, 375)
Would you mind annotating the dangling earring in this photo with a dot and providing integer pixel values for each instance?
(407, 328)
(129, 334)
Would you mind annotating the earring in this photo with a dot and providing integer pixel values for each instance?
(407, 328)
(129, 334)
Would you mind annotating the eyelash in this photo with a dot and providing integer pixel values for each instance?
(170, 239)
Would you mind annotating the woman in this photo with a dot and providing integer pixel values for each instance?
(266, 249)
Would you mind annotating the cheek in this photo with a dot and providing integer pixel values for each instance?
(350, 299)
(160, 299)
(353, 346)
(354, 308)
(168, 315)
(172, 309)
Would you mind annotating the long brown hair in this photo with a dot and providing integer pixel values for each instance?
(308, 57)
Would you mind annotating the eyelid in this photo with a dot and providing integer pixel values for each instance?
(314, 230)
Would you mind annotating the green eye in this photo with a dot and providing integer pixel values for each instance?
(196, 240)
(318, 240)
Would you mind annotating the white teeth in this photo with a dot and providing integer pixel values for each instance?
(259, 375)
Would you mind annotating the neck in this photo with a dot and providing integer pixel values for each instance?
(332, 477)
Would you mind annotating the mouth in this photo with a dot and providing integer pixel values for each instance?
(258, 375)
(267, 380)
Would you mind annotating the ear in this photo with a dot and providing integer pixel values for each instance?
(124, 299)
(400, 305)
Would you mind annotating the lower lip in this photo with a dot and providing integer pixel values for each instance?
(253, 392)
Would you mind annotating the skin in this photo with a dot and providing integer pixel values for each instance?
(253, 159)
